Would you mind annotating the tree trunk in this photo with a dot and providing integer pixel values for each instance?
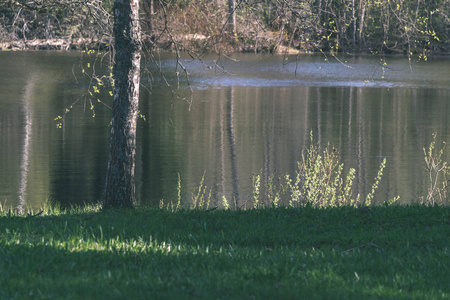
(232, 17)
(120, 185)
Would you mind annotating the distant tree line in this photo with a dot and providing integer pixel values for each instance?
(353, 26)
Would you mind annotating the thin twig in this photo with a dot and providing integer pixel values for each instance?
(32, 216)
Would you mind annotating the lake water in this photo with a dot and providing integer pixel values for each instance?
(254, 117)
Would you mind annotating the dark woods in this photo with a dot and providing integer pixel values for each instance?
(285, 26)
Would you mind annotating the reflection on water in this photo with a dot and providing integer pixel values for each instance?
(272, 127)
(317, 71)
(26, 145)
(254, 118)
(232, 142)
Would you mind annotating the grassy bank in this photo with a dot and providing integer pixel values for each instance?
(341, 253)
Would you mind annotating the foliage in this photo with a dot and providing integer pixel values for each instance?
(92, 63)
(61, 24)
(279, 253)
(201, 198)
(331, 26)
(319, 181)
(438, 174)
(256, 182)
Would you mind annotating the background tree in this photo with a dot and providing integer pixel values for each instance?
(353, 26)
(36, 24)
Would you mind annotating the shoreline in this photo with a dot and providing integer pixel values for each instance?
(190, 43)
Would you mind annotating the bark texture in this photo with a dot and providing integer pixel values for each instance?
(120, 185)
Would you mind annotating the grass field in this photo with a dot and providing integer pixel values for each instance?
(395, 252)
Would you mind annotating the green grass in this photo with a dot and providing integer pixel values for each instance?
(396, 252)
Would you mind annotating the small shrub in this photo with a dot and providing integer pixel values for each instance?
(438, 172)
(319, 181)
(201, 198)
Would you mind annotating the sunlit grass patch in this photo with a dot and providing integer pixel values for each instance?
(336, 253)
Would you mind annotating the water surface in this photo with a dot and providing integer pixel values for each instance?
(249, 115)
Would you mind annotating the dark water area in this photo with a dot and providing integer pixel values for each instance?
(246, 115)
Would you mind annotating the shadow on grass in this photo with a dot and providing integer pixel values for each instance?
(269, 253)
